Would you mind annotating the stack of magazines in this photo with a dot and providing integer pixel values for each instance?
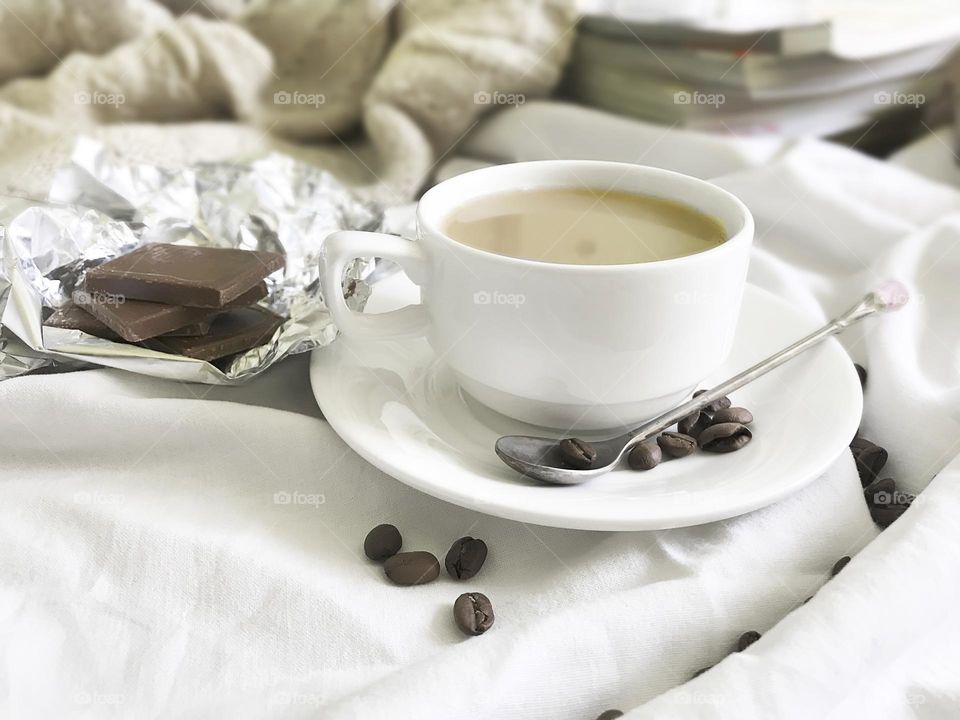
(790, 81)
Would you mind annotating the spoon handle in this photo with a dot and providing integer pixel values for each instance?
(889, 297)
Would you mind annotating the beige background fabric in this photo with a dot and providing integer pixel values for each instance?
(376, 90)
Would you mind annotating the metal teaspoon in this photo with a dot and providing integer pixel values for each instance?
(539, 457)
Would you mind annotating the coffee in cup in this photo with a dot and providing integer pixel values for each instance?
(583, 226)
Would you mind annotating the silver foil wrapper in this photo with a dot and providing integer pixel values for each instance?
(101, 206)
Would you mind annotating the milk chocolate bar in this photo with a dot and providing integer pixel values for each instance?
(183, 275)
(73, 317)
(232, 331)
(137, 320)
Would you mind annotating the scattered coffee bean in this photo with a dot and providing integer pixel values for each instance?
(645, 456)
(733, 415)
(382, 542)
(885, 515)
(725, 437)
(412, 568)
(676, 445)
(701, 671)
(610, 715)
(870, 460)
(839, 565)
(718, 404)
(473, 613)
(694, 423)
(880, 492)
(747, 639)
(465, 558)
(862, 373)
(577, 453)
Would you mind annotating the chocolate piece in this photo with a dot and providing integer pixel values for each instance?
(231, 332)
(183, 275)
(197, 328)
(73, 317)
(137, 320)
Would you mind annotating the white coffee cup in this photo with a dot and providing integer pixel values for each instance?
(573, 347)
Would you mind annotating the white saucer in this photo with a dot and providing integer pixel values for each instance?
(402, 411)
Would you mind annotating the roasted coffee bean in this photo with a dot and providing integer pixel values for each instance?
(676, 445)
(382, 542)
(577, 453)
(473, 613)
(858, 443)
(839, 565)
(465, 558)
(694, 423)
(885, 515)
(733, 415)
(701, 671)
(725, 437)
(870, 461)
(747, 639)
(412, 568)
(880, 492)
(862, 373)
(610, 715)
(718, 404)
(645, 456)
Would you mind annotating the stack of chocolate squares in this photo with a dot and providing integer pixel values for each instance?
(198, 302)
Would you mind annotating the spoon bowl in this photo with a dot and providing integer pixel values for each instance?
(540, 458)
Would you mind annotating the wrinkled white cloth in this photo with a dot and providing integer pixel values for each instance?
(150, 566)
(171, 550)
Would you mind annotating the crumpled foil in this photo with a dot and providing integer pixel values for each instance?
(101, 206)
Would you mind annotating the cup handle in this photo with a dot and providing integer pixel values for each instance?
(339, 250)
